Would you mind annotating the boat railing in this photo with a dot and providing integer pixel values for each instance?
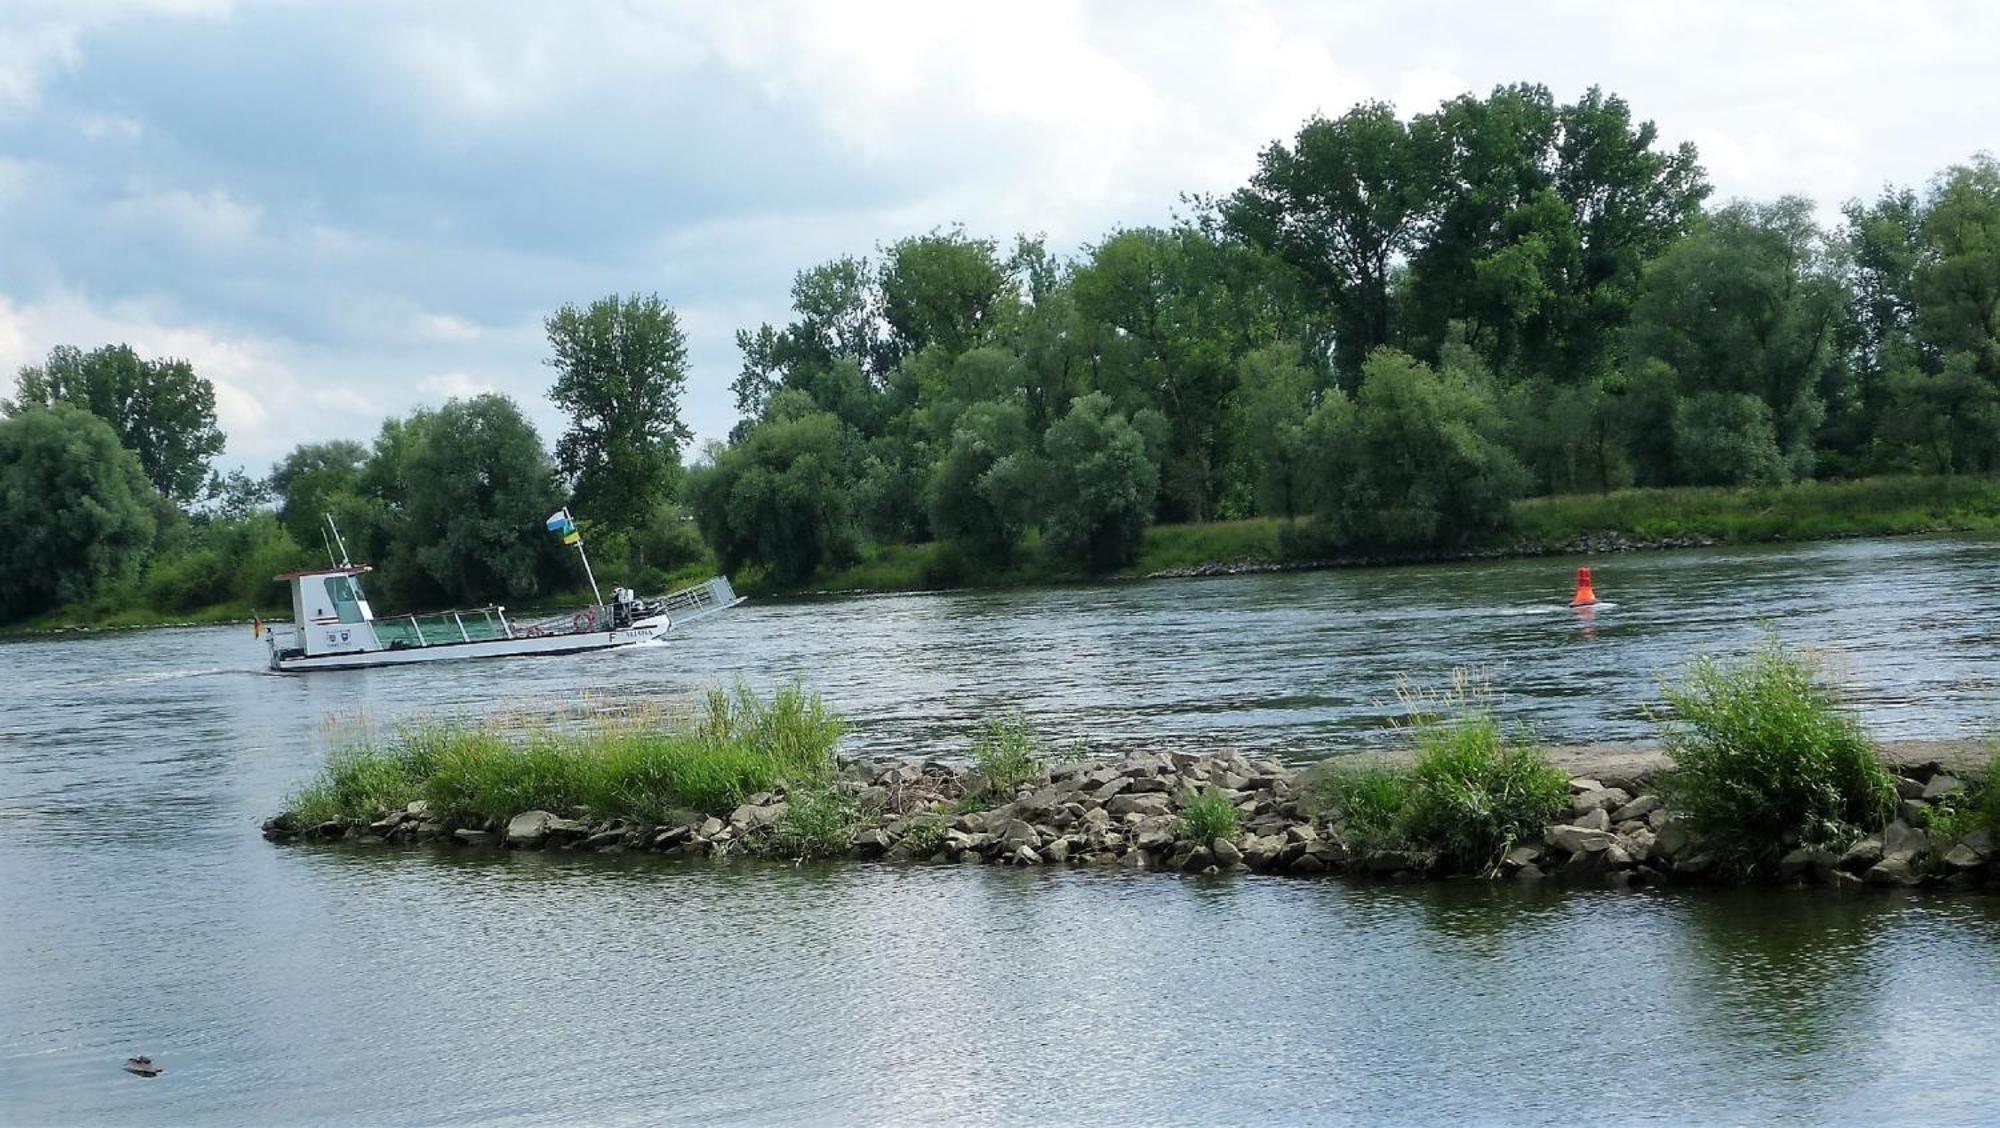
(480, 624)
(700, 601)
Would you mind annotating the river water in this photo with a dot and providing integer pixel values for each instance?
(141, 912)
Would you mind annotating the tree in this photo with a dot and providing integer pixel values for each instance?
(307, 481)
(160, 409)
(1727, 439)
(1752, 303)
(975, 495)
(1101, 480)
(474, 521)
(1958, 275)
(1944, 422)
(1418, 462)
(1343, 204)
(450, 504)
(1274, 398)
(76, 505)
(621, 365)
(943, 289)
(782, 496)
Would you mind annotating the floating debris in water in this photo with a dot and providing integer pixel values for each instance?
(142, 1066)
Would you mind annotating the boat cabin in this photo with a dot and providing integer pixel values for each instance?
(331, 615)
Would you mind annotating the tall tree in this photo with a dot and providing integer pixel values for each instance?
(621, 365)
(308, 479)
(1958, 276)
(76, 505)
(1344, 204)
(1752, 303)
(160, 409)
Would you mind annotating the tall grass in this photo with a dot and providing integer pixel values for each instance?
(1469, 794)
(1806, 510)
(1207, 817)
(645, 765)
(1009, 753)
(1766, 758)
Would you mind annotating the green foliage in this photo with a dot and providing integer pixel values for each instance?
(308, 481)
(1726, 439)
(161, 410)
(1101, 479)
(1803, 511)
(1766, 758)
(621, 365)
(783, 497)
(1469, 795)
(1974, 807)
(1416, 462)
(1205, 818)
(819, 822)
(982, 487)
(1009, 753)
(78, 512)
(646, 767)
(1475, 794)
(472, 486)
(224, 562)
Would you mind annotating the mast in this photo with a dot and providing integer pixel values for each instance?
(585, 557)
(344, 561)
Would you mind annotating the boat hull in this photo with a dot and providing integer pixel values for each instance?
(544, 645)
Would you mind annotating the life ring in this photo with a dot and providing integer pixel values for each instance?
(584, 620)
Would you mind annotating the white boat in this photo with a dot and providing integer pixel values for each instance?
(335, 628)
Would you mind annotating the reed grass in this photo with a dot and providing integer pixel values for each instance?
(647, 763)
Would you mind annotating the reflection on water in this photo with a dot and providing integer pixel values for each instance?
(143, 913)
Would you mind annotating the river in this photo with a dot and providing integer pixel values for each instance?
(141, 912)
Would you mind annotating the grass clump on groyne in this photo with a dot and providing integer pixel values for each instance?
(1766, 759)
(1008, 753)
(646, 764)
(1468, 795)
(1207, 817)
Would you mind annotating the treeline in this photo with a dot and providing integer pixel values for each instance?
(1396, 328)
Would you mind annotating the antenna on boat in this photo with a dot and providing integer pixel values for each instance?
(344, 561)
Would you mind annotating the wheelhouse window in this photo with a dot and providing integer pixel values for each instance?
(346, 596)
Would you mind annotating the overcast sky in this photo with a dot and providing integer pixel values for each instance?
(341, 211)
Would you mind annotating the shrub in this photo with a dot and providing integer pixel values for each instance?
(1469, 795)
(818, 822)
(1009, 753)
(1206, 817)
(1765, 758)
(925, 835)
(1476, 794)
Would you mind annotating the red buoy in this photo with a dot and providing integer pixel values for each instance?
(1584, 595)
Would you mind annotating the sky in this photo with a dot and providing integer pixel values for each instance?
(340, 212)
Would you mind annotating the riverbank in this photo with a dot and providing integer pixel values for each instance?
(1210, 814)
(1581, 524)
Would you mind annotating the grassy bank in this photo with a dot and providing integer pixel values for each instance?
(1637, 517)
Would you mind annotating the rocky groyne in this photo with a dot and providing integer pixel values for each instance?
(1619, 829)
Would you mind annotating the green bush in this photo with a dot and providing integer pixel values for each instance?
(818, 822)
(1476, 794)
(1207, 817)
(1765, 758)
(1009, 753)
(1469, 795)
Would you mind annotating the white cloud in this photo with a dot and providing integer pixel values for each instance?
(454, 385)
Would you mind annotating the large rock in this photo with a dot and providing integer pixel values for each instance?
(1603, 799)
(1150, 804)
(527, 829)
(1939, 787)
(753, 817)
(1964, 857)
(1895, 869)
(1637, 809)
(1901, 840)
(1672, 841)
(1595, 819)
(1014, 834)
(1226, 853)
(1862, 855)
(1578, 839)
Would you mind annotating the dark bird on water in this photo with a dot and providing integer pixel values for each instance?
(143, 1066)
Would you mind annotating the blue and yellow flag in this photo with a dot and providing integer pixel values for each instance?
(559, 523)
